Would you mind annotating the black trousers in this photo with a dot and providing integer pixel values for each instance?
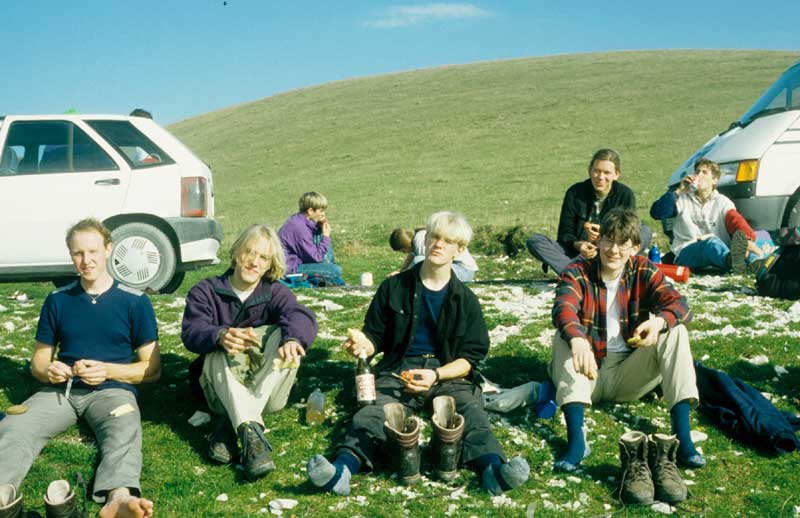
(366, 436)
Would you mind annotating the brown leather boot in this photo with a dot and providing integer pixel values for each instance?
(663, 454)
(448, 429)
(10, 502)
(402, 434)
(636, 482)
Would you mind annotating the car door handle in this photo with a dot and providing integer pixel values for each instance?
(107, 181)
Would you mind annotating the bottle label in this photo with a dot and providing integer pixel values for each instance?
(365, 387)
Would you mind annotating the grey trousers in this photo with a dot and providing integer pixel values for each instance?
(552, 254)
(366, 437)
(119, 435)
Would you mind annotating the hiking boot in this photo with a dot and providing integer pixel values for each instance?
(402, 437)
(10, 502)
(636, 483)
(255, 458)
(666, 478)
(738, 253)
(448, 429)
(59, 501)
(222, 445)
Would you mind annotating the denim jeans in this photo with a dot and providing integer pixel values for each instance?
(706, 253)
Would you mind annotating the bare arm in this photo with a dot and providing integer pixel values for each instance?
(47, 370)
(146, 368)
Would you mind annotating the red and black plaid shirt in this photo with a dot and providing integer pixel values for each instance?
(580, 307)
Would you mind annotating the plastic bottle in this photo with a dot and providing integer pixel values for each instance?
(655, 252)
(365, 383)
(315, 408)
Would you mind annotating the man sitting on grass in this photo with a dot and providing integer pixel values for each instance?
(430, 329)
(709, 232)
(226, 322)
(96, 340)
(585, 204)
(619, 334)
(306, 240)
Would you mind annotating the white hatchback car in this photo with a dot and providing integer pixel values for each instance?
(149, 189)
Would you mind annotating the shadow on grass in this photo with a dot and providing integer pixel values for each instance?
(16, 380)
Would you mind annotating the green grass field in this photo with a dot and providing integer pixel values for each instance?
(500, 142)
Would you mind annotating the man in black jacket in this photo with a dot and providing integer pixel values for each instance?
(584, 206)
(430, 329)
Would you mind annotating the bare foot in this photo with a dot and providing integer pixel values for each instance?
(127, 506)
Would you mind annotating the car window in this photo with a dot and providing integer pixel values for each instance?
(51, 147)
(138, 150)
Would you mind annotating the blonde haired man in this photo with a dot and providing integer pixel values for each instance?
(225, 323)
(96, 339)
(306, 240)
(430, 328)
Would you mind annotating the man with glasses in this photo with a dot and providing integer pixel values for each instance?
(620, 333)
(585, 204)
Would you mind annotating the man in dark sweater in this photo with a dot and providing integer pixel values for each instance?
(585, 204)
(430, 329)
(245, 366)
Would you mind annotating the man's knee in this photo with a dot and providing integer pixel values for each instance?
(534, 243)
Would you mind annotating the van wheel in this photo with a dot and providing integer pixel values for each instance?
(141, 257)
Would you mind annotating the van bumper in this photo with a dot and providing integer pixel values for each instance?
(761, 212)
(199, 240)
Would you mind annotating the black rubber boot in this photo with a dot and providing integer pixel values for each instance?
(402, 436)
(448, 429)
(10, 502)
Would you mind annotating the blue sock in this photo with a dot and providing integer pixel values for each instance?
(346, 458)
(576, 445)
(680, 427)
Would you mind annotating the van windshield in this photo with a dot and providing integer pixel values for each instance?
(783, 95)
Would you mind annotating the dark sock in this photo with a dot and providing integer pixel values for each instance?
(346, 458)
(681, 428)
(481, 463)
(576, 447)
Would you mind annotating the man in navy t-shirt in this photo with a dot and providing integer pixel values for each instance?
(95, 341)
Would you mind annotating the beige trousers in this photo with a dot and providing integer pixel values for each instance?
(268, 390)
(629, 376)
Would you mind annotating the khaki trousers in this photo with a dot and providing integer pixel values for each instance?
(629, 376)
(243, 402)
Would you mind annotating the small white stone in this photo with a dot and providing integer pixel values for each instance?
(574, 479)
(721, 489)
(689, 482)
(698, 436)
(780, 370)
(222, 498)
(554, 482)
(760, 359)
(281, 503)
(607, 507)
(796, 510)
(737, 453)
(705, 358)
(199, 419)
(9, 326)
(661, 507)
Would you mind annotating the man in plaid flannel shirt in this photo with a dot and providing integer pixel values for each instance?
(620, 332)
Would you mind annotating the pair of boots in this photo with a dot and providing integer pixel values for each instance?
(648, 469)
(402, 432)
(59, 502)
(255, 457)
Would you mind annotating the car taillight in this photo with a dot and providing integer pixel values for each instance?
(194, 203)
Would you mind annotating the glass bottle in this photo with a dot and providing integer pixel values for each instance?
(365, 382)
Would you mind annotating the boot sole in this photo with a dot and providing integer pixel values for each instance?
(411, 481)
(253, 474)
(447, 476)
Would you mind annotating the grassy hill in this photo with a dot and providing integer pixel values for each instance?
(499, 141)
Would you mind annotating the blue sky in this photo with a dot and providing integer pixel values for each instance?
(181, 58)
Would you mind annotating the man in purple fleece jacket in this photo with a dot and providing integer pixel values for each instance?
(250, 333)
(306, 240)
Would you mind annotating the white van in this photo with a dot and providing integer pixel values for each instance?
(759, 156)
(150, 190)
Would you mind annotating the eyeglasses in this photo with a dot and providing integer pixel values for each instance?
(608, 245)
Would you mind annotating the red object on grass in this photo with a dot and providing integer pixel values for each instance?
(678, 273)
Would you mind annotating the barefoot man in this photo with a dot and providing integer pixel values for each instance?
(96, 339)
